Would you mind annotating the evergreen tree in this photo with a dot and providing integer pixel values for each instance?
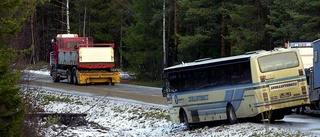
(11, 111)
(246, 31)
(199, 34)
(143, 39)
(12, 14)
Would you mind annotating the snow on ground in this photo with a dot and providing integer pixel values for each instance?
(110, 118)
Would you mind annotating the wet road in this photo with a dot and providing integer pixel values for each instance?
(133, 92)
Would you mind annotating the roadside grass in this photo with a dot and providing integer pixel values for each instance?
(140, 112)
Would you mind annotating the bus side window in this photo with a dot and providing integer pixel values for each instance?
(246, 77)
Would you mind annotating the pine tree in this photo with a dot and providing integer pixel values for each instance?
(143, 38)
(12, 14)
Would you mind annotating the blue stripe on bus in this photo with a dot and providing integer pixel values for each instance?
(238, 97)
(234, 96)
(211, 112)
(209, 106)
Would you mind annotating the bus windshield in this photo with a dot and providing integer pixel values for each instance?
(278, 61)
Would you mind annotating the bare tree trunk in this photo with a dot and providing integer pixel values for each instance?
(223, 35)
(68, 24)
(32, 59)
(84, 21)
(164, 35)
(176, 30)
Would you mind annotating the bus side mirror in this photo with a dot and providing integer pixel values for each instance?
(164, 92)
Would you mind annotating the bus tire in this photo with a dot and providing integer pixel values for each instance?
(231, 115)
(184, 120)
(70, 76)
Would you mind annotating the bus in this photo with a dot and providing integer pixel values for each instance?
(257, 85)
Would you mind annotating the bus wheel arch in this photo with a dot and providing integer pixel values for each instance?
(231, 114)
(184, 118)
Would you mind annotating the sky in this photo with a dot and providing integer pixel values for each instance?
(112, 117)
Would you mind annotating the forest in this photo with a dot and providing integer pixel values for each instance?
(149, 34)
(152, 34)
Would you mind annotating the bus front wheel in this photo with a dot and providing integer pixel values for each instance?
(231, 115)
(184, 120)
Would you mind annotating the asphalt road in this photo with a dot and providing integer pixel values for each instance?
(133, 92)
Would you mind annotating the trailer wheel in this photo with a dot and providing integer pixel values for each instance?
(112, 83)
(70, 77)
(75, 79)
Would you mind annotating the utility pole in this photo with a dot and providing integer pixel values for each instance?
(164, 35)
(68, 24)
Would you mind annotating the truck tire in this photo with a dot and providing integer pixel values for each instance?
(70, 76)
(54, 75)
(55, 78)
(75, 79)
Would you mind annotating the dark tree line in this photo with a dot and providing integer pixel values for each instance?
(193, 29)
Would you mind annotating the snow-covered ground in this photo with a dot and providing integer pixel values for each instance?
(110, 118)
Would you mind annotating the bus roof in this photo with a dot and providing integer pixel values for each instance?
(203, 63)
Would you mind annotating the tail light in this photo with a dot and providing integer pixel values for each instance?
(265, 96)
(300, 72)
(304, 91)
(263, 78)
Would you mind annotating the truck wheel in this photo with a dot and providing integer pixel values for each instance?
(231, 115)
(112, 84)
(70, 77)
(75, 80)
(55, 78)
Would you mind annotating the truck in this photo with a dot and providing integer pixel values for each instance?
(314, 82)
(80, 61)
(309, 52)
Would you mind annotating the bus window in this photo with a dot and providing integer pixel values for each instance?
(174, 82)
(276, 61)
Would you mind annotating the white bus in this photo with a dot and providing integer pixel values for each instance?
(245, 86)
